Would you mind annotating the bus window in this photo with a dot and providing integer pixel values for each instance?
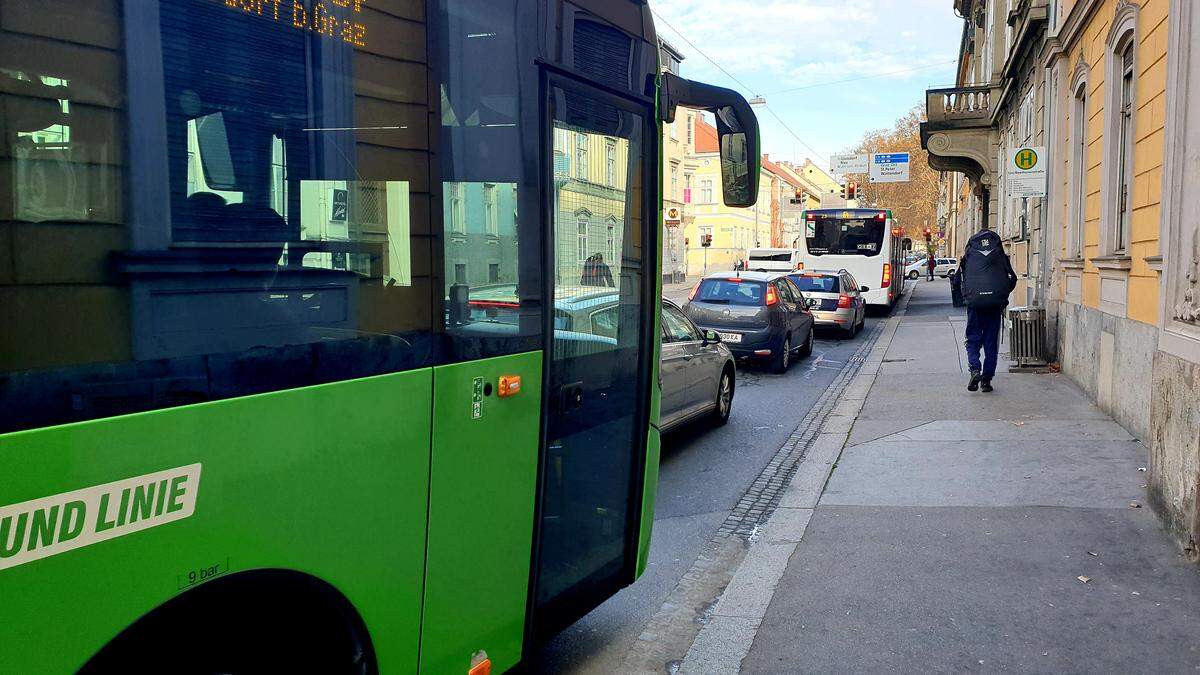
(265, 228)
(491, 264)
(838, 236)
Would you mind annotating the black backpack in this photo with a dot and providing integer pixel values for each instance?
(987, 276)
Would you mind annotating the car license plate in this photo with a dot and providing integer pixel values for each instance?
(730, 337)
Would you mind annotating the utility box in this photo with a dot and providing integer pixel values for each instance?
(1027, 336)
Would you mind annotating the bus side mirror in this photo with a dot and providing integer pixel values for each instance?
(737, 132)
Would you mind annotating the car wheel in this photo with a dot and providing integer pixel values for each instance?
(851, 331)
(784, 358)
(914, 275)
(724, 396)
(807, 349)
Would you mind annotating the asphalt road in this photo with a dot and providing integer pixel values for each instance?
(704, 472)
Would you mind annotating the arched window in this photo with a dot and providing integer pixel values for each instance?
(1077, 187)
(1119, 109)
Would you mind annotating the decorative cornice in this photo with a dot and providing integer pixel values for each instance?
(1124, 20)
(1079, 73)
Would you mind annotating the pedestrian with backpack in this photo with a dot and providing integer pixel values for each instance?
(987, 278)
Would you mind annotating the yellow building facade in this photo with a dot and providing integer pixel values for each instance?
(733, 230)
(1112, 252)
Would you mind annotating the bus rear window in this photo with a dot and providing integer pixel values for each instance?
(730, 292)
(816, 283)
(837, 236)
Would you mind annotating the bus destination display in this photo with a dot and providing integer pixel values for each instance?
(336, 23)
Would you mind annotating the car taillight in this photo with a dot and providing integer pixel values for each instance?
(843, 301)
(772, 296)
(887, 276)
(692, 295)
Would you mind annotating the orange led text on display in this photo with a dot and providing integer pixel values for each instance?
(336, 24)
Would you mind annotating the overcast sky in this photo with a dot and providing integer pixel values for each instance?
(776, 45)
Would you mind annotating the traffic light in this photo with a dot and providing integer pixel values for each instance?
(706, 240)
(851, 190)
(843, 191)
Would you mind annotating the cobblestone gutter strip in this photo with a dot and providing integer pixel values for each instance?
(670, 632)
(729, 629)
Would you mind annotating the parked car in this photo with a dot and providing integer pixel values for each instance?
(835, 298)
(697, 372)
(758, 315)
(943, 267)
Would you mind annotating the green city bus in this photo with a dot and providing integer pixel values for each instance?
(284, 380)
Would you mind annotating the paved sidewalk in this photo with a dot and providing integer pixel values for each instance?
(953, 531)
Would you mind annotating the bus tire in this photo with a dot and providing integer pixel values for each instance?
(260, 621)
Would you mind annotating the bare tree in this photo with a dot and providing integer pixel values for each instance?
(913, 204)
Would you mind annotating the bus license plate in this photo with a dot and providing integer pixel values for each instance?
(730, 337)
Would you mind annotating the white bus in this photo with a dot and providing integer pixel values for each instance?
(864, 242)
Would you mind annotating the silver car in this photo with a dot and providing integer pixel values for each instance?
(696, 372)
(835, 299)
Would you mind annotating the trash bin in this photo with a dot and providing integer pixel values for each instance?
(956, 289)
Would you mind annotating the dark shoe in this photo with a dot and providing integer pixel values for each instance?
(985, 386)
(973, 385)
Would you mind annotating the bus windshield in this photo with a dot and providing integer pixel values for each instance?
(845, 236)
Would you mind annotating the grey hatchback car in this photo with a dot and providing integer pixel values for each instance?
(696, 371)
(835, 298)
(759, 315)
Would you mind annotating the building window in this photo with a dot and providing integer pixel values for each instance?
(1125, 150)
(675, 180)
(687, 188)
(493, 273)
(581, 245)
(1120, 105)
(456, 211)
(491, 209)
(581, 156)
(610, 162)
(690, 128)
(706, 191)
(460, 273)
(1078, 189)
(672, 130)
(612, 243)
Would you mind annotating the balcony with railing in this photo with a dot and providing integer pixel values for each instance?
(960, 134)
(961, 104)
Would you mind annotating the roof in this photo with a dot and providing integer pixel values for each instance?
(746, 274)
(706, 136)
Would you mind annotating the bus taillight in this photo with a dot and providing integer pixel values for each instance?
(887, 276)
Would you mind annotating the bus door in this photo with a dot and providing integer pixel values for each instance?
(598, 265)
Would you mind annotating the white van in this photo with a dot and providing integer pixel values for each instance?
(773, 260)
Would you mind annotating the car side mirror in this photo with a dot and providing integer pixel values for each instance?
(863, 289)
(711, 336)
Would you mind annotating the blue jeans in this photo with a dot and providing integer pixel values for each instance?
(983, 330)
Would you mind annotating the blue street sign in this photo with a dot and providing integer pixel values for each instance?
(891, 158)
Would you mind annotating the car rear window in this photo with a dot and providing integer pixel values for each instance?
(817, 283)
(730, 292)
